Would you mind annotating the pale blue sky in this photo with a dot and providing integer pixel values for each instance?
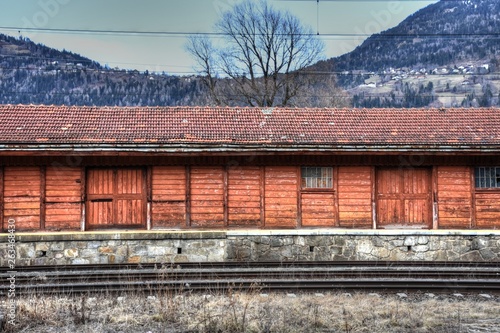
(165, 52)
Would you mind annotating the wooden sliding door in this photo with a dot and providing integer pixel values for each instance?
(116, 198)
(404, 197)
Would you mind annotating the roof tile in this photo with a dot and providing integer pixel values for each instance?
(281, 126)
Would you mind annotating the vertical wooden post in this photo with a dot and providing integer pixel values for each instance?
(335, 186)
(299, 196)
(43, 174)
(473, 222)
(262, 196)
(83, 186)
(2, 229)
(402, 187)
(114, 202)
(188, 196)
(148, 195)
(435, 198)
(149, 183)
(374, 197)
(225, 176)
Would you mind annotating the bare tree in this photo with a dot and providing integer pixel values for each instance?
(261, 56)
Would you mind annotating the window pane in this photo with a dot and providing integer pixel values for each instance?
(497, 177)
(487, 177)
(316, 177)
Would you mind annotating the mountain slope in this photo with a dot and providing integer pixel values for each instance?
(37, 74)
(437, 35)
(446, 54)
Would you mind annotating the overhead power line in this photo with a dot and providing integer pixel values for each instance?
(217, 34)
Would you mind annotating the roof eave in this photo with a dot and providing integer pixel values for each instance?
(264, 148)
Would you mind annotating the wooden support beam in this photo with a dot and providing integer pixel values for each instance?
(226, 195)
(188, 196)
(473, 221)
(298, 173)
(262, 196)
(435, 198)
(43, 174)
(115, 192)
(335, 185)
(146, 197)
(374, 197)
(83, 186)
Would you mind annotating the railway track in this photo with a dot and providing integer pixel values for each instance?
(266, 276)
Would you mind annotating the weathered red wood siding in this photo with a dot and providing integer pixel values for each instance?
(207, 196)
(281, 196)
(454, 197)
(22, 191)
(487, 209)
(355, 197)
(63, 208)
(168, 197)
(318, 209)
(244, 196)
(248, 196)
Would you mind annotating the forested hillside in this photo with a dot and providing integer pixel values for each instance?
(34, 73)
(453, 45)
(438, 35)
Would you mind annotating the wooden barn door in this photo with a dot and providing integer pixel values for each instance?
(404, 197)
(116, 198)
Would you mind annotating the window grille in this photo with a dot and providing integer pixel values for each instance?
(487, 177)
(317, 177)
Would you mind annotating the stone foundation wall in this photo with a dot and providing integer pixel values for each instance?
(349, 247)
(172, 247)
(116, 248)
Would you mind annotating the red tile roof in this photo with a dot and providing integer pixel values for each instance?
(76, 125)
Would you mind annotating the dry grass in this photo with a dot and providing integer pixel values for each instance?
(252, 312)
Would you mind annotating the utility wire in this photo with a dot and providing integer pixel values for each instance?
(219, 34)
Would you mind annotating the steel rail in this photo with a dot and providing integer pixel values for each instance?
(267, 285)
(261, 264)
(198, 277)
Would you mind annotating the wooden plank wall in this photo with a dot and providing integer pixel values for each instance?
(355, 197)
(168, 197)
(281, 196)
(22, 192)
(454, 197)
(216, 197)
(487, 209)
(207, 196)
(244, 196)
(318, 209)
(63, 207)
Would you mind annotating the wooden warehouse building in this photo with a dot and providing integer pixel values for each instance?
(92, 168)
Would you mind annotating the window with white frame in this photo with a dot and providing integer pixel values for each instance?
(316, 177)
(487, 177)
